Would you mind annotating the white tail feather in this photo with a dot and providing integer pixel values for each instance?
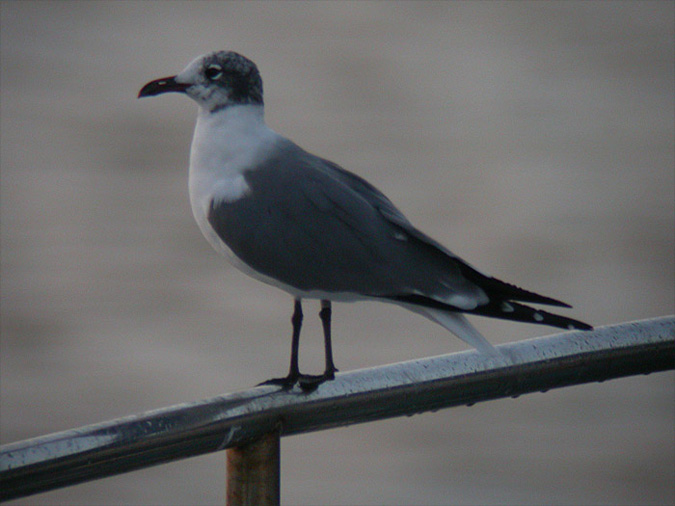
(460, 326)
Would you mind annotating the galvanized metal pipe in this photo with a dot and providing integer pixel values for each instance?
(164, 435)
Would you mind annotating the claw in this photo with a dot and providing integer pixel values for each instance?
(285, 383)
(309, 382)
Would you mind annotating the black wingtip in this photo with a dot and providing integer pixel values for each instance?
(513, 292)
(509, 310)
(577, 325)
(504, 310)
(501, 290)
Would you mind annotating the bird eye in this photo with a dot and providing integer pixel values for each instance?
(213, 71)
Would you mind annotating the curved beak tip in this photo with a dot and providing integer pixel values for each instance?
(163, 85)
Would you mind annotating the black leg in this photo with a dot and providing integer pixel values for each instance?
(296, 322)
(309, 383)
(325, 315)
(294, 370)
(306, 381)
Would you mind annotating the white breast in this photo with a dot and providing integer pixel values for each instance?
(225, 144)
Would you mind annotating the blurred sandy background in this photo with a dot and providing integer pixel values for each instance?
(533, 139)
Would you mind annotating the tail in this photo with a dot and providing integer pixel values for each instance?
(495, 308)
(454, 321)
(460, 326)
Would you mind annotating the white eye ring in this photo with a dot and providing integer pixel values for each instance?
(213, 71)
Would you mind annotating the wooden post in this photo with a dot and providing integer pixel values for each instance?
(253, 472)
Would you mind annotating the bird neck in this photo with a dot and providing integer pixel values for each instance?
(244, 119)
(225, 145)
(226, 140)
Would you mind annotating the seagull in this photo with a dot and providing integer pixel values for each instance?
(317, 231)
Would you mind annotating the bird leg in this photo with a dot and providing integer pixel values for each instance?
(294, 371)
(308, 382)
(325, 315)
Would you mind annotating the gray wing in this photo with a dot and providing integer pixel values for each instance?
(314, 226)
(454, 272)
(459, 270)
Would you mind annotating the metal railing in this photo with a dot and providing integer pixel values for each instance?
(239, 421)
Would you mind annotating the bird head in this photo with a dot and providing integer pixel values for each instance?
(215, 81)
